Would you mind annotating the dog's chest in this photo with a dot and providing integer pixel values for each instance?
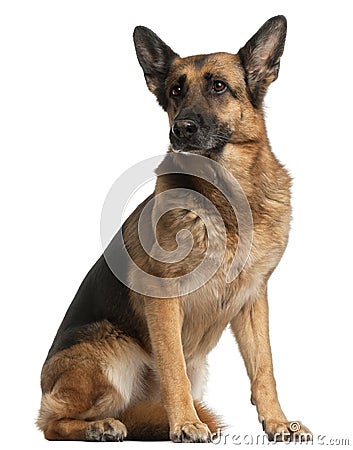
(225, 269)
(209, 309)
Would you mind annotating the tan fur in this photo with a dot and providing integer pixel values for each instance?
(148, 420)
(92, 386)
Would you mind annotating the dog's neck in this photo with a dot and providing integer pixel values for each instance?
(260, 175)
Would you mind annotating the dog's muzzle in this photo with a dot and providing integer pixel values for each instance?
(184, 130)
(194, 132)
(187, 134)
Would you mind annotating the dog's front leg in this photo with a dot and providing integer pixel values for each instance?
(164, 318)
(251, 330)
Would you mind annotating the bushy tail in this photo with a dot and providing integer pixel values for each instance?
(148, 421)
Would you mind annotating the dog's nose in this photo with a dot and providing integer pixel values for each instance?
(184, 129)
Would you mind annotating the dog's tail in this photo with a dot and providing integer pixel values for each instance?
(148, 421)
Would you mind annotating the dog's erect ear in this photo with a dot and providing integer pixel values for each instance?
(155, 58)
(261, 55)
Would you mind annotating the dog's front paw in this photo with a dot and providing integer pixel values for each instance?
(286, 431)
(191, 432)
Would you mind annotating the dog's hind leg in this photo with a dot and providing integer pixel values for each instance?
(81, 430)
(87, 386)
(74, 413)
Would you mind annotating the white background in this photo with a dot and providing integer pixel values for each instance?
(75, 113)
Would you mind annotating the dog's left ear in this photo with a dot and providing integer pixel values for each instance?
(261, 55)
(155, 58)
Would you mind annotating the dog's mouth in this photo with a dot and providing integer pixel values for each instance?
(204, 150)
(203, 141)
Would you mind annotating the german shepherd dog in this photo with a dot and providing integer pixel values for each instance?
(129, 363)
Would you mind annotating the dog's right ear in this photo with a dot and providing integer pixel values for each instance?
(155, 58)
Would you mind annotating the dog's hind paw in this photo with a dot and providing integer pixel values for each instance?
(106, 430)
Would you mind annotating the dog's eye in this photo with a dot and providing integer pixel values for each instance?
(219, 87)
(175, 91)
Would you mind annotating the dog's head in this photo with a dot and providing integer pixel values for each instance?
(212, 99)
